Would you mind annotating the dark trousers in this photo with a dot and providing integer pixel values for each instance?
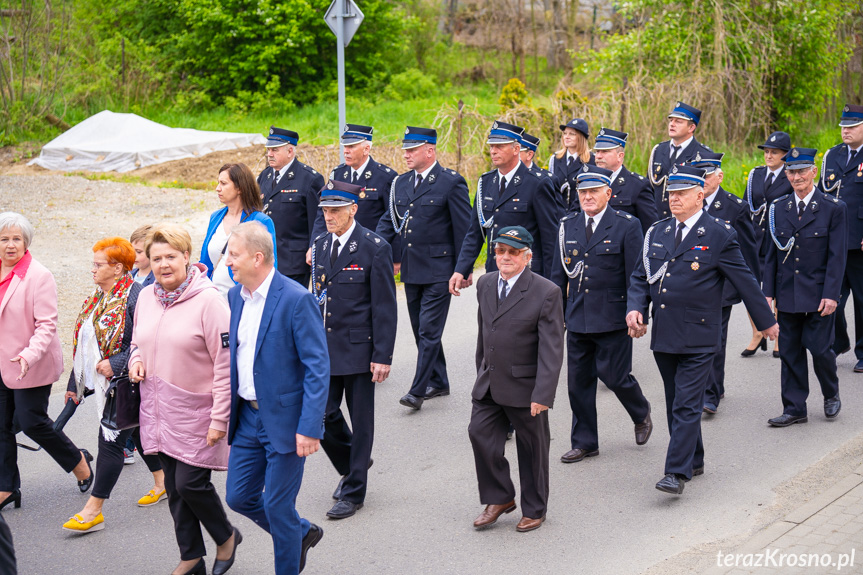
(684, 377)
(428, 306)
(193, 501)
(302, 279)
(31, 408)
(802, 331)
(852, 285)
(489, 423)
(350, 451)
(8, 564)
(255, 465)
(109, 461)
(716, 383)
(607, 356)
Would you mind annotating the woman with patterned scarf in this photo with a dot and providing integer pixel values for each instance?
(100, 350)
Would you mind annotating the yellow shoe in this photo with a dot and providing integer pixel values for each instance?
(78, 525)
(151, 498)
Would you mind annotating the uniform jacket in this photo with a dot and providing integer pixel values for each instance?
(519, 348)
(815, 266)
(529, 200)
(360, 307)
(758, 195)
(660, 166)
(845, 183)
(292, 204)
(291, 367)
(186, 389)
(28, 322)
(376, 179)
(566, 176)
(561, 200)
(216, 220)
(596, 298)
(731, 210)
(687, 300)
(631, 193)
(438, 212)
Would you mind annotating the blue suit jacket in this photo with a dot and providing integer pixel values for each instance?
(216, 220)
(291, 368)
(845, 181)
(816, 265)
(687, 299)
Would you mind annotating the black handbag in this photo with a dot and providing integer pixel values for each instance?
(122, 403)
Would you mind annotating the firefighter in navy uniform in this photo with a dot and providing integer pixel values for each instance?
(569, 161)
(803, 272)
(511, 195)
(529, 145)
(289, 189)
(681, 148)
(430, 208)
(598, 249)
(730, 209)
(842, 177)
(353, 284)
(630, 192)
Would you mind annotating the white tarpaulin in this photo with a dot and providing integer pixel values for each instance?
(124, 142)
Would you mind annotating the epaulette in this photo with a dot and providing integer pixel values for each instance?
(323, 235)
(739, 201)
(623, 214)
(777, 200)
(311, 169)
(640, 177)
(452, 172)
(568, 216)
(373, 237)
(834, 198)
(488, 172)
(384, 168)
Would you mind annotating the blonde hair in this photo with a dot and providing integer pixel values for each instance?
(581, 147)
(140, 235)
(172, 234)
(257, 238)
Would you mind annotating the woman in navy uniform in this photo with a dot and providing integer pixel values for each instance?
(353, 283)
(765, 184)
(803, 271)
(681, 148)
(289, 189)
(567, 162)
(842, 177)
(429, 207)
(598, 249)
(687, 260)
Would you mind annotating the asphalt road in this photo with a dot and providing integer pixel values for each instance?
(604, 515)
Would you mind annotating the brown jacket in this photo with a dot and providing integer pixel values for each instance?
(519, 349)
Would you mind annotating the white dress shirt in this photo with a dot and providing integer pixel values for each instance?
(596, 218)
(806, 199)
(681, 146)
(343, 239)
(359, 171)
(247, 336)
(508, 176)
(425, 173)
(510, 282)
(690, 223)
(280, 173)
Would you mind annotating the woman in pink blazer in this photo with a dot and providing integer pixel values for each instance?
(30, 360)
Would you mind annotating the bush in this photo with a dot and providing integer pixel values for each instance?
(409, 85)
(513, 94)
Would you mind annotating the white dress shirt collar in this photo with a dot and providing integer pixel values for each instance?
(596, 218)
(508, 176)
(343, 239)
(360, 170)
(683, 145)
(510, 282)
(262, 290)
(806, 200)
(285, 169)
(690, 223)
(426, 172)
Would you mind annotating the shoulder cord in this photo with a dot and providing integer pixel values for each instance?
(578, 269)
(660, 273)
(483, 223)
(663, 181)
(837, 186)
(772, 223)
(753, 212)
(398, 223)
(321, 297)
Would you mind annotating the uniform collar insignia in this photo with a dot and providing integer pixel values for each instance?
(324, 247)
(352, 247)
(813, 205)
(620, 180)
(717, 204)
(345, 175)
(368, 175)
(431, 178)
(700, 231)
(790, 205)
(667, 229)
(290, 175)
(516, 180)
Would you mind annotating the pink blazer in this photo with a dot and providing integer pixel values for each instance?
(28, 324)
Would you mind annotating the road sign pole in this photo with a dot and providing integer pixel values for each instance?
(340, 51)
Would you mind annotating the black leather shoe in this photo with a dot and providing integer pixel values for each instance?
(785, 420)
(709, 408)
(14, 498)
(412, 401)
(221, 567)
(858, 367)
(200, 568)
(311, 539)
(762, 345)
(435, 392)
(343, 509)
(577, 454)
(776, 354)
(337, 494)
(832, 406)
(696, 471)
(671, 483)
(840, 352)
(85, 484)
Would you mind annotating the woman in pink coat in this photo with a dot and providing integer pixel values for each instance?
(180, 352)
(30, 360)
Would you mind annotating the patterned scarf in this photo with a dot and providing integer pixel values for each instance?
(168, 298)
(109, 316)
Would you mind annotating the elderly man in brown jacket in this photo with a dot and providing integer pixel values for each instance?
(519, 354)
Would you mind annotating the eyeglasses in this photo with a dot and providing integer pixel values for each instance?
(500, 250)
(97, 265)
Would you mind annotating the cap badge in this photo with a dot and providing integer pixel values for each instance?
(584, 168)
(346, 128)
(602, 132)
(494, 126)
(407, 131)
(847, 109)
(377, 240)
(674, 170)
(697, 156)
(330, 186)
(271, 131)
(678, 105)
(511, 233)
(772, 138)
(694, 266)
(794, 153)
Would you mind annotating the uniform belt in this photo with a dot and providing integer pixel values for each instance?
(253, 403)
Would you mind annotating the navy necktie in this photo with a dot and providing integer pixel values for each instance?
(335, 253)
(679, 237)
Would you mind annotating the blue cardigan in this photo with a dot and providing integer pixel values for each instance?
(216, 221)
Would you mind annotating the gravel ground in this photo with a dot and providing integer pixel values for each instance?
(71, 214)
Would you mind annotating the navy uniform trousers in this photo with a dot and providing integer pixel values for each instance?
(801, 332)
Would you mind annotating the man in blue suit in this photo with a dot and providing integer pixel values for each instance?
(804, 268)
(280, 374)
(598, 249)
(685, 263)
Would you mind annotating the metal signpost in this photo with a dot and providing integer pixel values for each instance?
(343, 17)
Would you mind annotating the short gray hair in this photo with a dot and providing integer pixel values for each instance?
(16, 220)
(257, 238)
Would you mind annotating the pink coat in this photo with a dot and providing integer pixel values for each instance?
(187, 383)
(28, 327)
